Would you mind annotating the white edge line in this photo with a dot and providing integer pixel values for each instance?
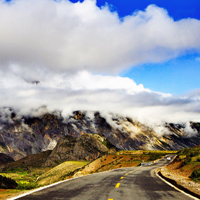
(57, 183)
(176, 187)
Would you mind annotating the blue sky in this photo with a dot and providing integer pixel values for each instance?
(176, 76)
(178, 9)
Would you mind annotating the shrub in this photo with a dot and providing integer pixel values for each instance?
(7, 183)
(107, 144)
(154, 156)
(195, 176)
(26, 185)
(187, 161)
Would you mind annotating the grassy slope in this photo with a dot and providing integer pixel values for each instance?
(45, 175)
(187, 161)
(61, 172)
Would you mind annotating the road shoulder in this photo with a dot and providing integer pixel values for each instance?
(179, 182)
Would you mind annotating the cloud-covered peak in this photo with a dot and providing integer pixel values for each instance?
(86, 91)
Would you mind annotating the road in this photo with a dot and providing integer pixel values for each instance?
(136, 183)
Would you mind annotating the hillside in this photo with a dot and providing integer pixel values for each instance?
(185, 169)
(27, 163)
(187, 162)
(122, 159)
(86, 147)
(60, 172)
(4, 159)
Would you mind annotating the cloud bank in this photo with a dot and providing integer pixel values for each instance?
(86, 91)
(67, 36)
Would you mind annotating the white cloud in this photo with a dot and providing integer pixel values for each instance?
(46, 41)
(80, 36)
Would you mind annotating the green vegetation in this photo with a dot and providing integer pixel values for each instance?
(155, 156)
(195, 176)
(33, 177)
(190, 159)
(163, 152)
(107, 144)
(24, 185)
(190, 155)
(14, 170)
(148, 155)
(25, 179)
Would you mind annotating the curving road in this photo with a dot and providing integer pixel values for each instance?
(136, 183)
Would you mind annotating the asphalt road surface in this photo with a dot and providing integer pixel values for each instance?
(136, 183)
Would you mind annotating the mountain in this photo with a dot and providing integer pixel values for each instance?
(23, 135)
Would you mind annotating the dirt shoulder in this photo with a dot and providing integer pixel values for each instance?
(172, 174)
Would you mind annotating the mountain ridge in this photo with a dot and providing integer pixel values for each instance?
(21, 136)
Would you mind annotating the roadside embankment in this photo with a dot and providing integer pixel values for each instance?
(179, 181)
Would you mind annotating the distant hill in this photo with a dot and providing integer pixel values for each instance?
(27, 163)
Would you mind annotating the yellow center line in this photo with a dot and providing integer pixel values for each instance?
(110, 199)
(122, 177)
(131, 171)
(118, 184)
(126, 174)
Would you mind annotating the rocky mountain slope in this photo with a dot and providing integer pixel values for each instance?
(25, 135)
(86, 147)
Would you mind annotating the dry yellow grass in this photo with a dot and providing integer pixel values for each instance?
(60, 172)
(146, 152)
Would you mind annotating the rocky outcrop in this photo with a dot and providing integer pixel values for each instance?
(85, 147)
